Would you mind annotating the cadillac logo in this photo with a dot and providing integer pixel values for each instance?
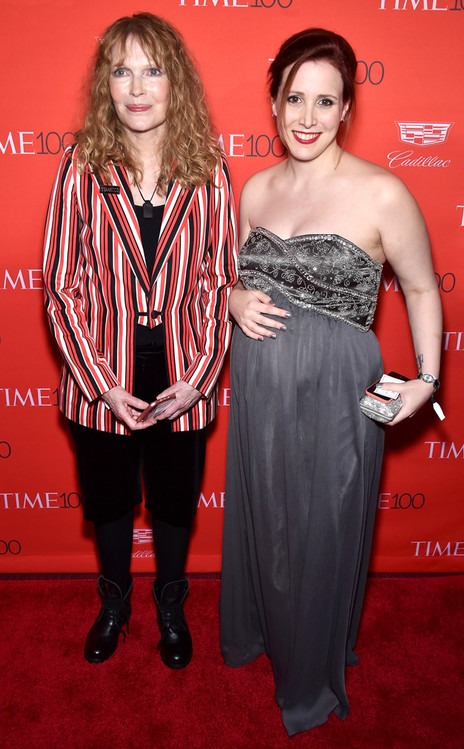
(423, 133)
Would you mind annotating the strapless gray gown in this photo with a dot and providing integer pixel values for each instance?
(302, 473)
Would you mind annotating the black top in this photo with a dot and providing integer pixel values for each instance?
(150, 230)
(146, 339)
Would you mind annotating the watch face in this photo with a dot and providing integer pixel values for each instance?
(426, 377)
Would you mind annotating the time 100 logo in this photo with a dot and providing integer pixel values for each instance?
(27, 143)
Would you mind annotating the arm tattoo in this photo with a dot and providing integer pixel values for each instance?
(419, 360)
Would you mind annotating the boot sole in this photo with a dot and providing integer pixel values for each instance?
(95, 659)
(175, 666)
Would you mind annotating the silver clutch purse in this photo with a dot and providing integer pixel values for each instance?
(383, 411)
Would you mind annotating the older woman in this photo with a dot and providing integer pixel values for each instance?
(139, 259)
(304, 461)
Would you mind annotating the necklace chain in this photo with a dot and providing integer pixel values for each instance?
(147, 204)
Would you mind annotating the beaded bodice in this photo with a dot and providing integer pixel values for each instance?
(321, 272)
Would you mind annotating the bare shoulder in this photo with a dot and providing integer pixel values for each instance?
(254, 198)
(259, 181)
(378, 183)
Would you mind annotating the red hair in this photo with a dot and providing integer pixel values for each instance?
(312, 45)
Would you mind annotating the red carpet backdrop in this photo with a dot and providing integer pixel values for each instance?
(410, 119)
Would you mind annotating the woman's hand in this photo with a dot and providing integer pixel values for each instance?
(126, 407)
(185, 397)
(414, 393)
(250, 310)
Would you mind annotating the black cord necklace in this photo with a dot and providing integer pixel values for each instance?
(147, 204)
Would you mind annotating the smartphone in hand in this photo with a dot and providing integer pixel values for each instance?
(155, 408)
(379, 391)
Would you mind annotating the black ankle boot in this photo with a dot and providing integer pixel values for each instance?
(175, 644)
(114, 615)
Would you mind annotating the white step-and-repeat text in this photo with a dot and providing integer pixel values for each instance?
(410, 119)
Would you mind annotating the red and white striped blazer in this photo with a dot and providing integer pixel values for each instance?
(97, 288)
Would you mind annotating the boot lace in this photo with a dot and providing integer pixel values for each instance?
(172, 617)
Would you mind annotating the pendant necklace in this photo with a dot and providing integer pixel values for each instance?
(147, 204)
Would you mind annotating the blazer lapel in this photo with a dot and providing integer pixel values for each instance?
(121, 215)
(179, 202)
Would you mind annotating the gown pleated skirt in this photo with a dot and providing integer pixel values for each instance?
(302, 483)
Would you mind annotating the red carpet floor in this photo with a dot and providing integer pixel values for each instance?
(407, 693)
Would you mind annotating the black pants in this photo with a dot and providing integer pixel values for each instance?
(111, 466)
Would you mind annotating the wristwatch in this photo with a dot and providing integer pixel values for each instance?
(430, 378)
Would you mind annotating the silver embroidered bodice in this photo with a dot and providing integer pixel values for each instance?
(321, 272)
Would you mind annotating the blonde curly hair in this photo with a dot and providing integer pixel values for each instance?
(190, 150)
